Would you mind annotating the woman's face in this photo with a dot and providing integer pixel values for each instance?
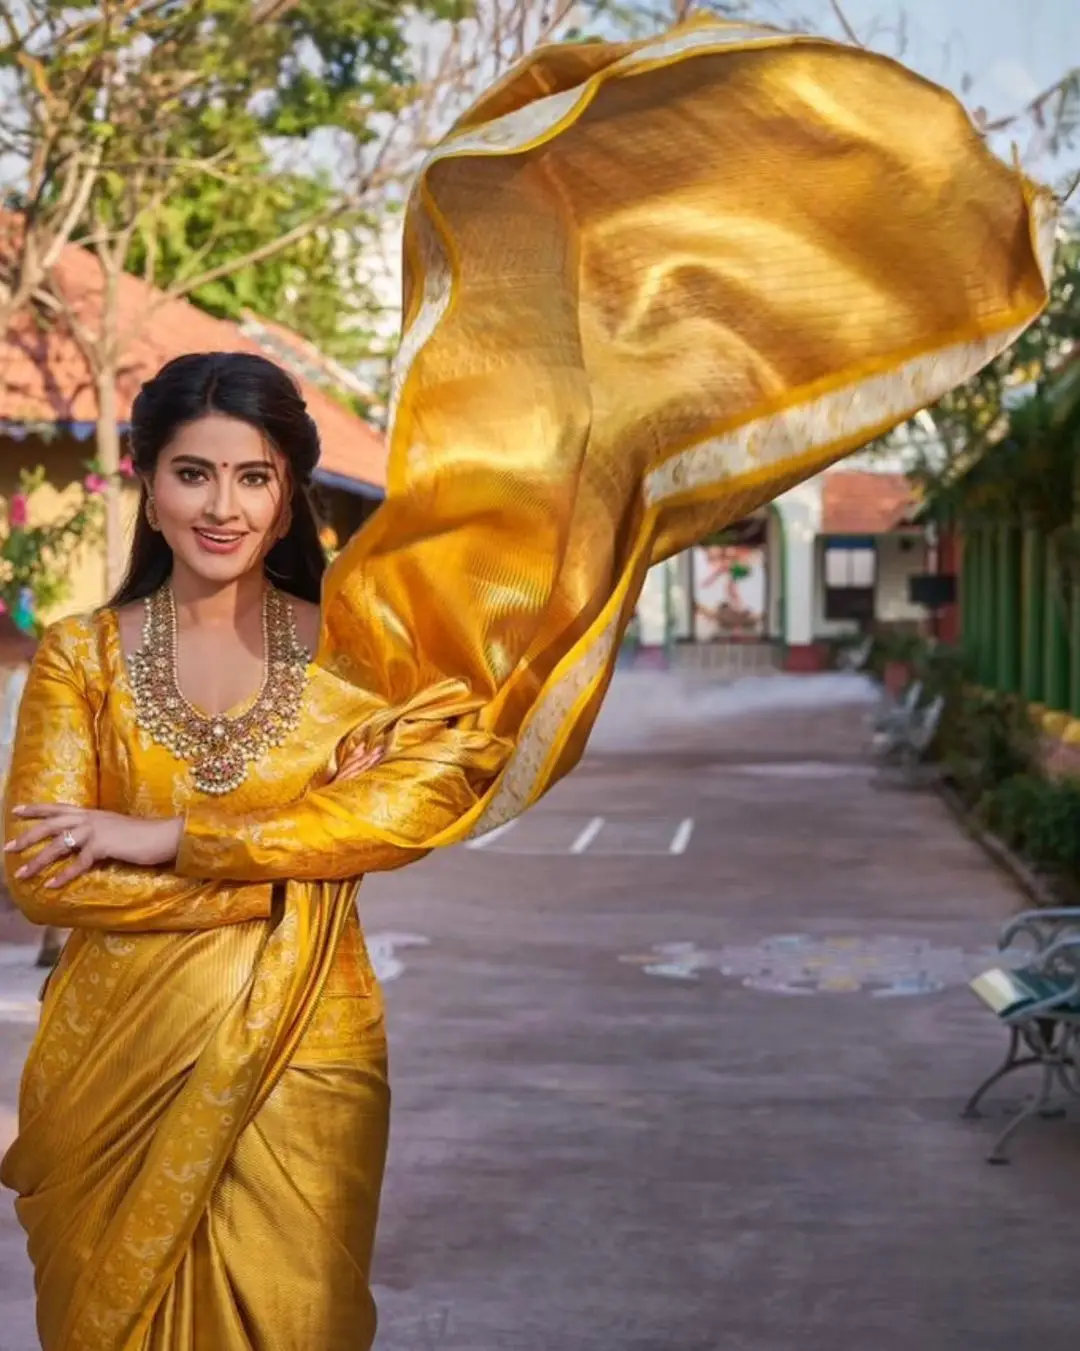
(219, 491)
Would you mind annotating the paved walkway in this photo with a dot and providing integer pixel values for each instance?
(678, 1061)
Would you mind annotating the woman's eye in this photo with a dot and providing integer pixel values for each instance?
(256, 479)
(189, 475)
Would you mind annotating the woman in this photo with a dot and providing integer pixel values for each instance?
(196, 684)
(648, 288)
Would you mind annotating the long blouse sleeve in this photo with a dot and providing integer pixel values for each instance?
(55, 759)
(432, 774)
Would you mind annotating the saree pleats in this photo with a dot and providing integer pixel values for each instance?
(257, 1244)
(303, 1179)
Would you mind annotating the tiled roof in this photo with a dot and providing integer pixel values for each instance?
(300, 355)
(43, 377)
(861, 502)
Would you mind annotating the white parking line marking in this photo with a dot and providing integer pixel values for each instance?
(595, 826)
(483, 841)
(384, 951)
(26, 1011)
(681, 837)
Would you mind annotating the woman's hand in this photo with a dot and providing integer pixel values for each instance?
(92, 837)
(357, 761)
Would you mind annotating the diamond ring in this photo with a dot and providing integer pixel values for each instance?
(70, 842)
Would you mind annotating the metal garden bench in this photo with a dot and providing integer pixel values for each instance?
(905, 742)
(895, 712)
(1038, 1002)
(854, 659)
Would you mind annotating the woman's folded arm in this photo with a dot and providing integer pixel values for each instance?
(55, 760)
(431, 775)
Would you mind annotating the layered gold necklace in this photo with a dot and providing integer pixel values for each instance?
(218, 749)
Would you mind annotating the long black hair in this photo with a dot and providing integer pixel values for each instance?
(256, 391)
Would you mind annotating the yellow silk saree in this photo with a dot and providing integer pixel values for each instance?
(648, 288)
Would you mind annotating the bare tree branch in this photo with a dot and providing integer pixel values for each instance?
(1035, 108)
(842, 20)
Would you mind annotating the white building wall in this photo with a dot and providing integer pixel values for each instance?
(774, 575)
(682, 595)
(895, 564)
(651, 610)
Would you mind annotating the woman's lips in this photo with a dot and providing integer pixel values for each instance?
(218, 541)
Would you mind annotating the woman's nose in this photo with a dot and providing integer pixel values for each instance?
(222, 504)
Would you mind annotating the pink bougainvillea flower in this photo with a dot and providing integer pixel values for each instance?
(127, 466)
(18, 510)
(94, 483)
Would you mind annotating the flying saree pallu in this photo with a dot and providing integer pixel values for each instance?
(648, 288)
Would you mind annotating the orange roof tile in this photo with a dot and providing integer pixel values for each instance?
(44, 378)
(861, 502)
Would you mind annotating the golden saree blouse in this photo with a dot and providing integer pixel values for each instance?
(648, 288)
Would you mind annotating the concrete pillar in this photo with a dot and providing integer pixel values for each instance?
(776, 577)
(682, 596)
(801, 512)
(651, 613)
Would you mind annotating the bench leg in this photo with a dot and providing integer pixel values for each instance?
(1037, 1107)
(1013, 1061)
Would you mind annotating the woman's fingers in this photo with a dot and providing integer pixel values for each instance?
(82, 863)
(56, 825)
(355, 767)
(58, 849)
(57, 831)
(45, 809)
(356, 763)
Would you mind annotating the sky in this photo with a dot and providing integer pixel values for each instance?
(1010, 49)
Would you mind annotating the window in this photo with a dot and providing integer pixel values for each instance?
(850, 569)
(846, 568)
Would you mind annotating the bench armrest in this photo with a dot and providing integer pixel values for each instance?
(1044, 926)
(1067, 947)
